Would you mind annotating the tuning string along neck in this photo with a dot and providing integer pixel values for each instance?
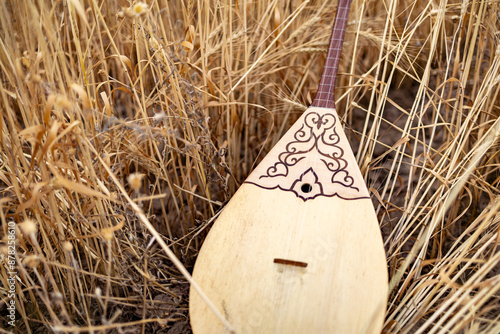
(325, 95)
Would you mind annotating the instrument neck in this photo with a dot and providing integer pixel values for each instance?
(325, 95)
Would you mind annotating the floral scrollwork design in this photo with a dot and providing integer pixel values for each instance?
(314, 157)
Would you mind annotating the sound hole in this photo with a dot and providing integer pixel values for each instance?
(306, 188)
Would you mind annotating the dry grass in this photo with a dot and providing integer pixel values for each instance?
(172, 105)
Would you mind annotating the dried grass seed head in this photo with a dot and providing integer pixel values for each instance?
(135, 180)
(29, 228)
(31, 261)
(67, 246)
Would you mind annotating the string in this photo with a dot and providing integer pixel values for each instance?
(325, 95)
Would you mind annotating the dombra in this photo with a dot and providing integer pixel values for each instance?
(298, 248)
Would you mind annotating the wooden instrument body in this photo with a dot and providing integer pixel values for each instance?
(298, 248)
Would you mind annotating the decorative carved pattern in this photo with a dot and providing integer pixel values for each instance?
(313, 161)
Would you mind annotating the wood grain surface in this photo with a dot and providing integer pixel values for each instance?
(342, 288)
(312, 159)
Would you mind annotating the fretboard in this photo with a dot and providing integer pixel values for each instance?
(325, 95)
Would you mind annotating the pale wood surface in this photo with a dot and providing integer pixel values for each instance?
(343, 289)
(338, 282)
(313, 151)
